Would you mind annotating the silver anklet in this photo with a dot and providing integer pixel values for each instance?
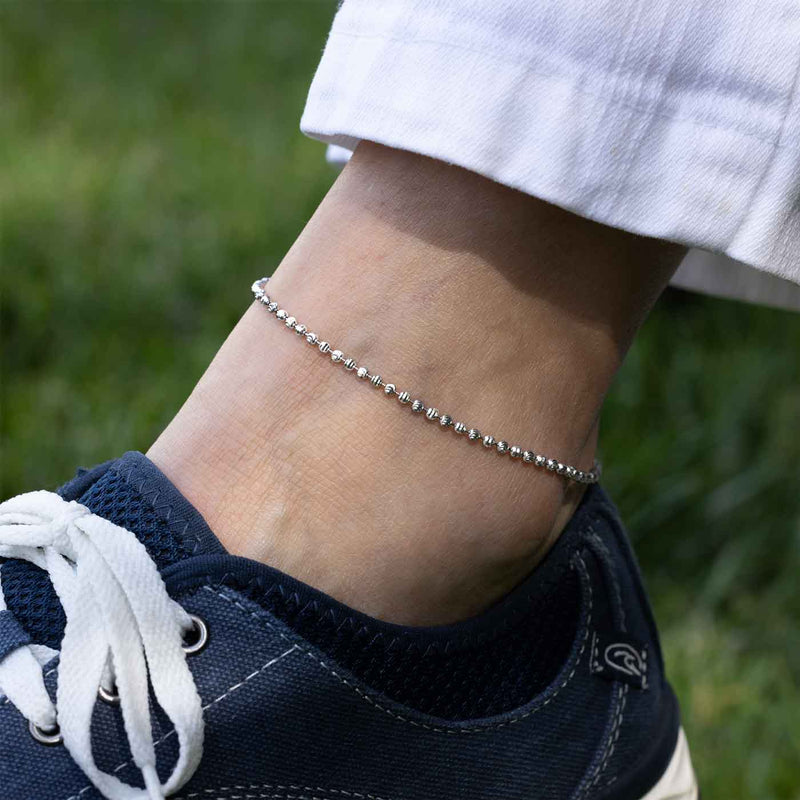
(417, 406)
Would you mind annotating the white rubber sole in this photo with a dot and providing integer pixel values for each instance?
(678, 781)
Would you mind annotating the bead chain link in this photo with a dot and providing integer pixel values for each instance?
(417, 406)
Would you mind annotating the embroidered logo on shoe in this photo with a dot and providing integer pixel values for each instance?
(618, 657)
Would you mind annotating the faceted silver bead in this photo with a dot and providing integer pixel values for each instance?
(324, 347)
(257, 287)
(290, 322)
(432, 414)
(551, 464)
(264, 298)
(515, 452)
(540, 461)
(337, 356)
(418, 406)
(311, 337)
(561, 469)
(376, 381)
(404, 397)
(300, 329)
(488, 440)
(350, 364)
(446, 420)
(272, 307)
(363, 373)
(571, 472)
(528, 456)
(502, 447)
(473, 434)
(460, 427)
(282, 314)
(390, 389)
(580, 476)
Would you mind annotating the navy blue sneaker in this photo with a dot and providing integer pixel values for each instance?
(139, 660)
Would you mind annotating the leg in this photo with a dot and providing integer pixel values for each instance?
(496, 307)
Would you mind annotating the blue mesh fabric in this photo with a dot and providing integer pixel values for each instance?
(30, 595)
(119, 501)
(32, 600)
(494, 669)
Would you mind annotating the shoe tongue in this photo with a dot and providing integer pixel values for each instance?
(134, 493)
(130, 492)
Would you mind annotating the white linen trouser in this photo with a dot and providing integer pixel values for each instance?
(678, 119)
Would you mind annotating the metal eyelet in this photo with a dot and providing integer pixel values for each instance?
(197, 637)
(111, 698)
(50, 737)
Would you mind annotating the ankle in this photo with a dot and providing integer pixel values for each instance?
(506, 313)
(295, 464)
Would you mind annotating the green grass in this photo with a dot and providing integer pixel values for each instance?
(151, 166)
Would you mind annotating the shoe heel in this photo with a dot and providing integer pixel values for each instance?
(678, 781)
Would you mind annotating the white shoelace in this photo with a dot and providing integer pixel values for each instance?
(119, 615)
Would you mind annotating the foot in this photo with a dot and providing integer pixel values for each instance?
(276, 690)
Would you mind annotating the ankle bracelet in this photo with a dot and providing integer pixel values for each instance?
(417, 406)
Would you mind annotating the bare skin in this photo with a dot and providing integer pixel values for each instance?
(504, 311)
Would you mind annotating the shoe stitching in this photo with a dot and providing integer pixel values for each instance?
(625, 690)
(610, 743)
(614, 736)
(225, 694)
(129, 479)
(595, 657)
(278, 788)
(270, 796)
(578, 558)
(601, 546)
